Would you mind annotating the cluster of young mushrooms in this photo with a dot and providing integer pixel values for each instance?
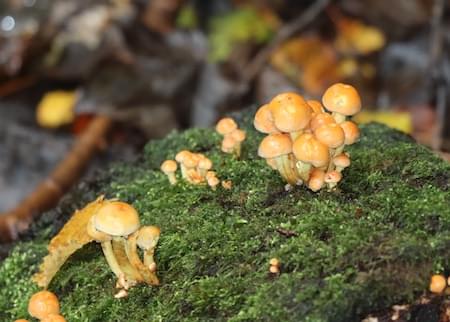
(116, 226)
(195, 169)
(305, 144)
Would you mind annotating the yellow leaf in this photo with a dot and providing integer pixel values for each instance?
(397, 120)
(56, 109)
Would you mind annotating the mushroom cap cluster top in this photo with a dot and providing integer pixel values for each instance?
(342, 98)
(117, 219)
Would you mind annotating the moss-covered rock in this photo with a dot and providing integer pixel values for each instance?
(370, 244)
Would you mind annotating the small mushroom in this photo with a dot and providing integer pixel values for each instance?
(341, 162)
(437, 284)
(119, 220)
(180, 159)
(316, 179)
(54, 318)
(309, 152)
(274, 269)
(331, 135)
(147, 239)
(316, 106)
(342, 100)
(226, 126)
(169, 167)
(263, 121)
(213, 182)
(291, 113)
(278, 147)
(332, 178)
(274, 262)
(228, 144)
(204, 165)
(351, 132)
(227, 184)
(42, 304)
(238, 136)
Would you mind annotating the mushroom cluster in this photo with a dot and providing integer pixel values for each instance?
(195, 169)
(116, 226)
(305, 143)
(232, 136)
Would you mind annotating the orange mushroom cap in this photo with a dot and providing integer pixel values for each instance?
(290, 112)
(331, 135)
(263, 121)
(316, 106)
(21, 320)
(275, 145)
(316, 179)
(191, 160)
(169, 166)
(342, 161)
(226, 125)
(210, 174)
(205, 164)
(274, 261)
(238, 135)
(213, 181)
(321, 119)
(342, 98)
(42, 304)
(54, 318)
(333, 177)
(117, 218)
(308, 149)
(181, 155)
(351, 132)
(437, 284)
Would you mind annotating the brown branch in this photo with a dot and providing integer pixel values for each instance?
(286, 32)
(16, 85)
(47, 194)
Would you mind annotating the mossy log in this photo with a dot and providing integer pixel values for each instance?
(372, 243)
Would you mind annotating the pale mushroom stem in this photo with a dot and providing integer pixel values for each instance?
(339, 118)
(237, 149)
(111, 259)
(131, 249)
(183, 170)
(172, 178)
(303, 170)
(295, 135)
(283, 167)
(132, 275)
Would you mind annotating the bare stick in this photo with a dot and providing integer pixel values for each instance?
(47, 193)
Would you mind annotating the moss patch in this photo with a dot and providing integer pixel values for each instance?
(370, 244)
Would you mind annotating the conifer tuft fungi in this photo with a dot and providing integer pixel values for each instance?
(232, 136)
(315, 153)
(169, 167)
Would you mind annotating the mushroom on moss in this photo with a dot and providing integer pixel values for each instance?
(291, 113)
(341, 162)
(309, 152)
(278, 147)
(437, 284)
(226, 126)
(238, 136)
(332, 178)
(118, 220)
(213, 182)
(316, 180)
(169, 167)
(342, 100)
(42, 304)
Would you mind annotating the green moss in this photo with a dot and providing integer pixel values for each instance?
(370, 244)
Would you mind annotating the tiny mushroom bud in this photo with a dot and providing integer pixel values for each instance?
(42, 304)
(210, 174)
(343, 100)
(274, 269)
(169, 167)
(204, 165)
(332, 178)
(263, 121)
(227, 184)
(316, 179)
(228, 144)
(437, 284)
(213, 182)
(147, 239)
(331, 135)
(226, 126)
(278, 146)
(274, 262)
(54, 318)
(291, 113)
(341, 162)
(239, 137)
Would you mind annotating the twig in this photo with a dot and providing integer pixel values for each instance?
(283, 34)
(16, 85)
(47, 194)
